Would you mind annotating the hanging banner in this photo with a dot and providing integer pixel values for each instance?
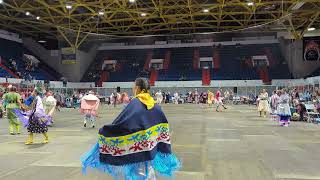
(68, 56)
(311, 49)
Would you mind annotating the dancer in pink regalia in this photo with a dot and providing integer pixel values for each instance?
(89, 108)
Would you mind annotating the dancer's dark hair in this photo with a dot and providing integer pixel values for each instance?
(142, 83)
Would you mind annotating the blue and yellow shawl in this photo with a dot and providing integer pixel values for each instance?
(138, 137)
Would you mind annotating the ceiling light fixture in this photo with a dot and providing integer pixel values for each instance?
(42, 41)
(27, 13)
(311, 29)
(250, 3)
(38, 17)
(69, 6)
(1, 1)
(143, 14)
(132, 1)
(101, 13)
(206, 10)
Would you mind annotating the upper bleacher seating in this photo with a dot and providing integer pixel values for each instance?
(231, 60)
(13, 51)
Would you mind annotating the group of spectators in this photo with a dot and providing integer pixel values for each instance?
(299, 104)
(299, 100)
(194, 97)
(26, 72)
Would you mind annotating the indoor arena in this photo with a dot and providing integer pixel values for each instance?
(159, 89)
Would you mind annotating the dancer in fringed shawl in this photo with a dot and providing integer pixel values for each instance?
(49, 103)
(283, 109)
(136, 146)
(274, 101)
(34, 117)
(263, 106)
(210, 98)
(12, 101)
(89, 108)
(274, 104)
(218, 100)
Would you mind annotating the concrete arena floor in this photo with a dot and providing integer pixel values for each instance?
(230, 145)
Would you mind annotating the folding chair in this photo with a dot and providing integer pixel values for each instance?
(311, 115)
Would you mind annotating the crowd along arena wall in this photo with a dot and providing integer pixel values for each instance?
(179, 84)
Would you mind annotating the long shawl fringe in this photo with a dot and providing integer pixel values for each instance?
(163, 164)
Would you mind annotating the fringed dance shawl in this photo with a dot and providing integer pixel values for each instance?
(89, 105)
(34, 109)
(138, 136)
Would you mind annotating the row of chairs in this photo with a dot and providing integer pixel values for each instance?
(311, 115)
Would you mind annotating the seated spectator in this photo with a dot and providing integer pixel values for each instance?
(19, 74)
(301, 109)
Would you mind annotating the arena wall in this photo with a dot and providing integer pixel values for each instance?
(180, 84)
(243, 88)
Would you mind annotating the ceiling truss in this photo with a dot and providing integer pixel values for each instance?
(154, 17)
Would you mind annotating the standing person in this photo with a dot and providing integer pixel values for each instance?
(176, 97)
(210, 98)
(295, 94)
(125, 99)
(114, 98)
(34, 118)
(12, 101)
(218, 100)
(263, 106)
(164, 97)
(159, 97)
(75, 101)
(89, 107)
(274, 101)
(283, 109)
(196, 96)
(168, 97)
(226, 96)
(137, 143)
(58, 97)
(49, 103)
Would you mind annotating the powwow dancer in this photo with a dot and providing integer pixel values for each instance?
(210, 98)
(263, 106)
(12, 101)
(49, 103)
(218, 100)
(274, 104)
(89, 107)
(125, 99)
(34, 117)
(159, 97)
(137, 144)
(283, 109)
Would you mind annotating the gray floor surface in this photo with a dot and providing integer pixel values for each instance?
(232, 145)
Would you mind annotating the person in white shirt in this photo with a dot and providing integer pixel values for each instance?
(176, 98)
(49, 103)
(159, 97)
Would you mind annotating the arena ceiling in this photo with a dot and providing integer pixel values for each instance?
(155, 17)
